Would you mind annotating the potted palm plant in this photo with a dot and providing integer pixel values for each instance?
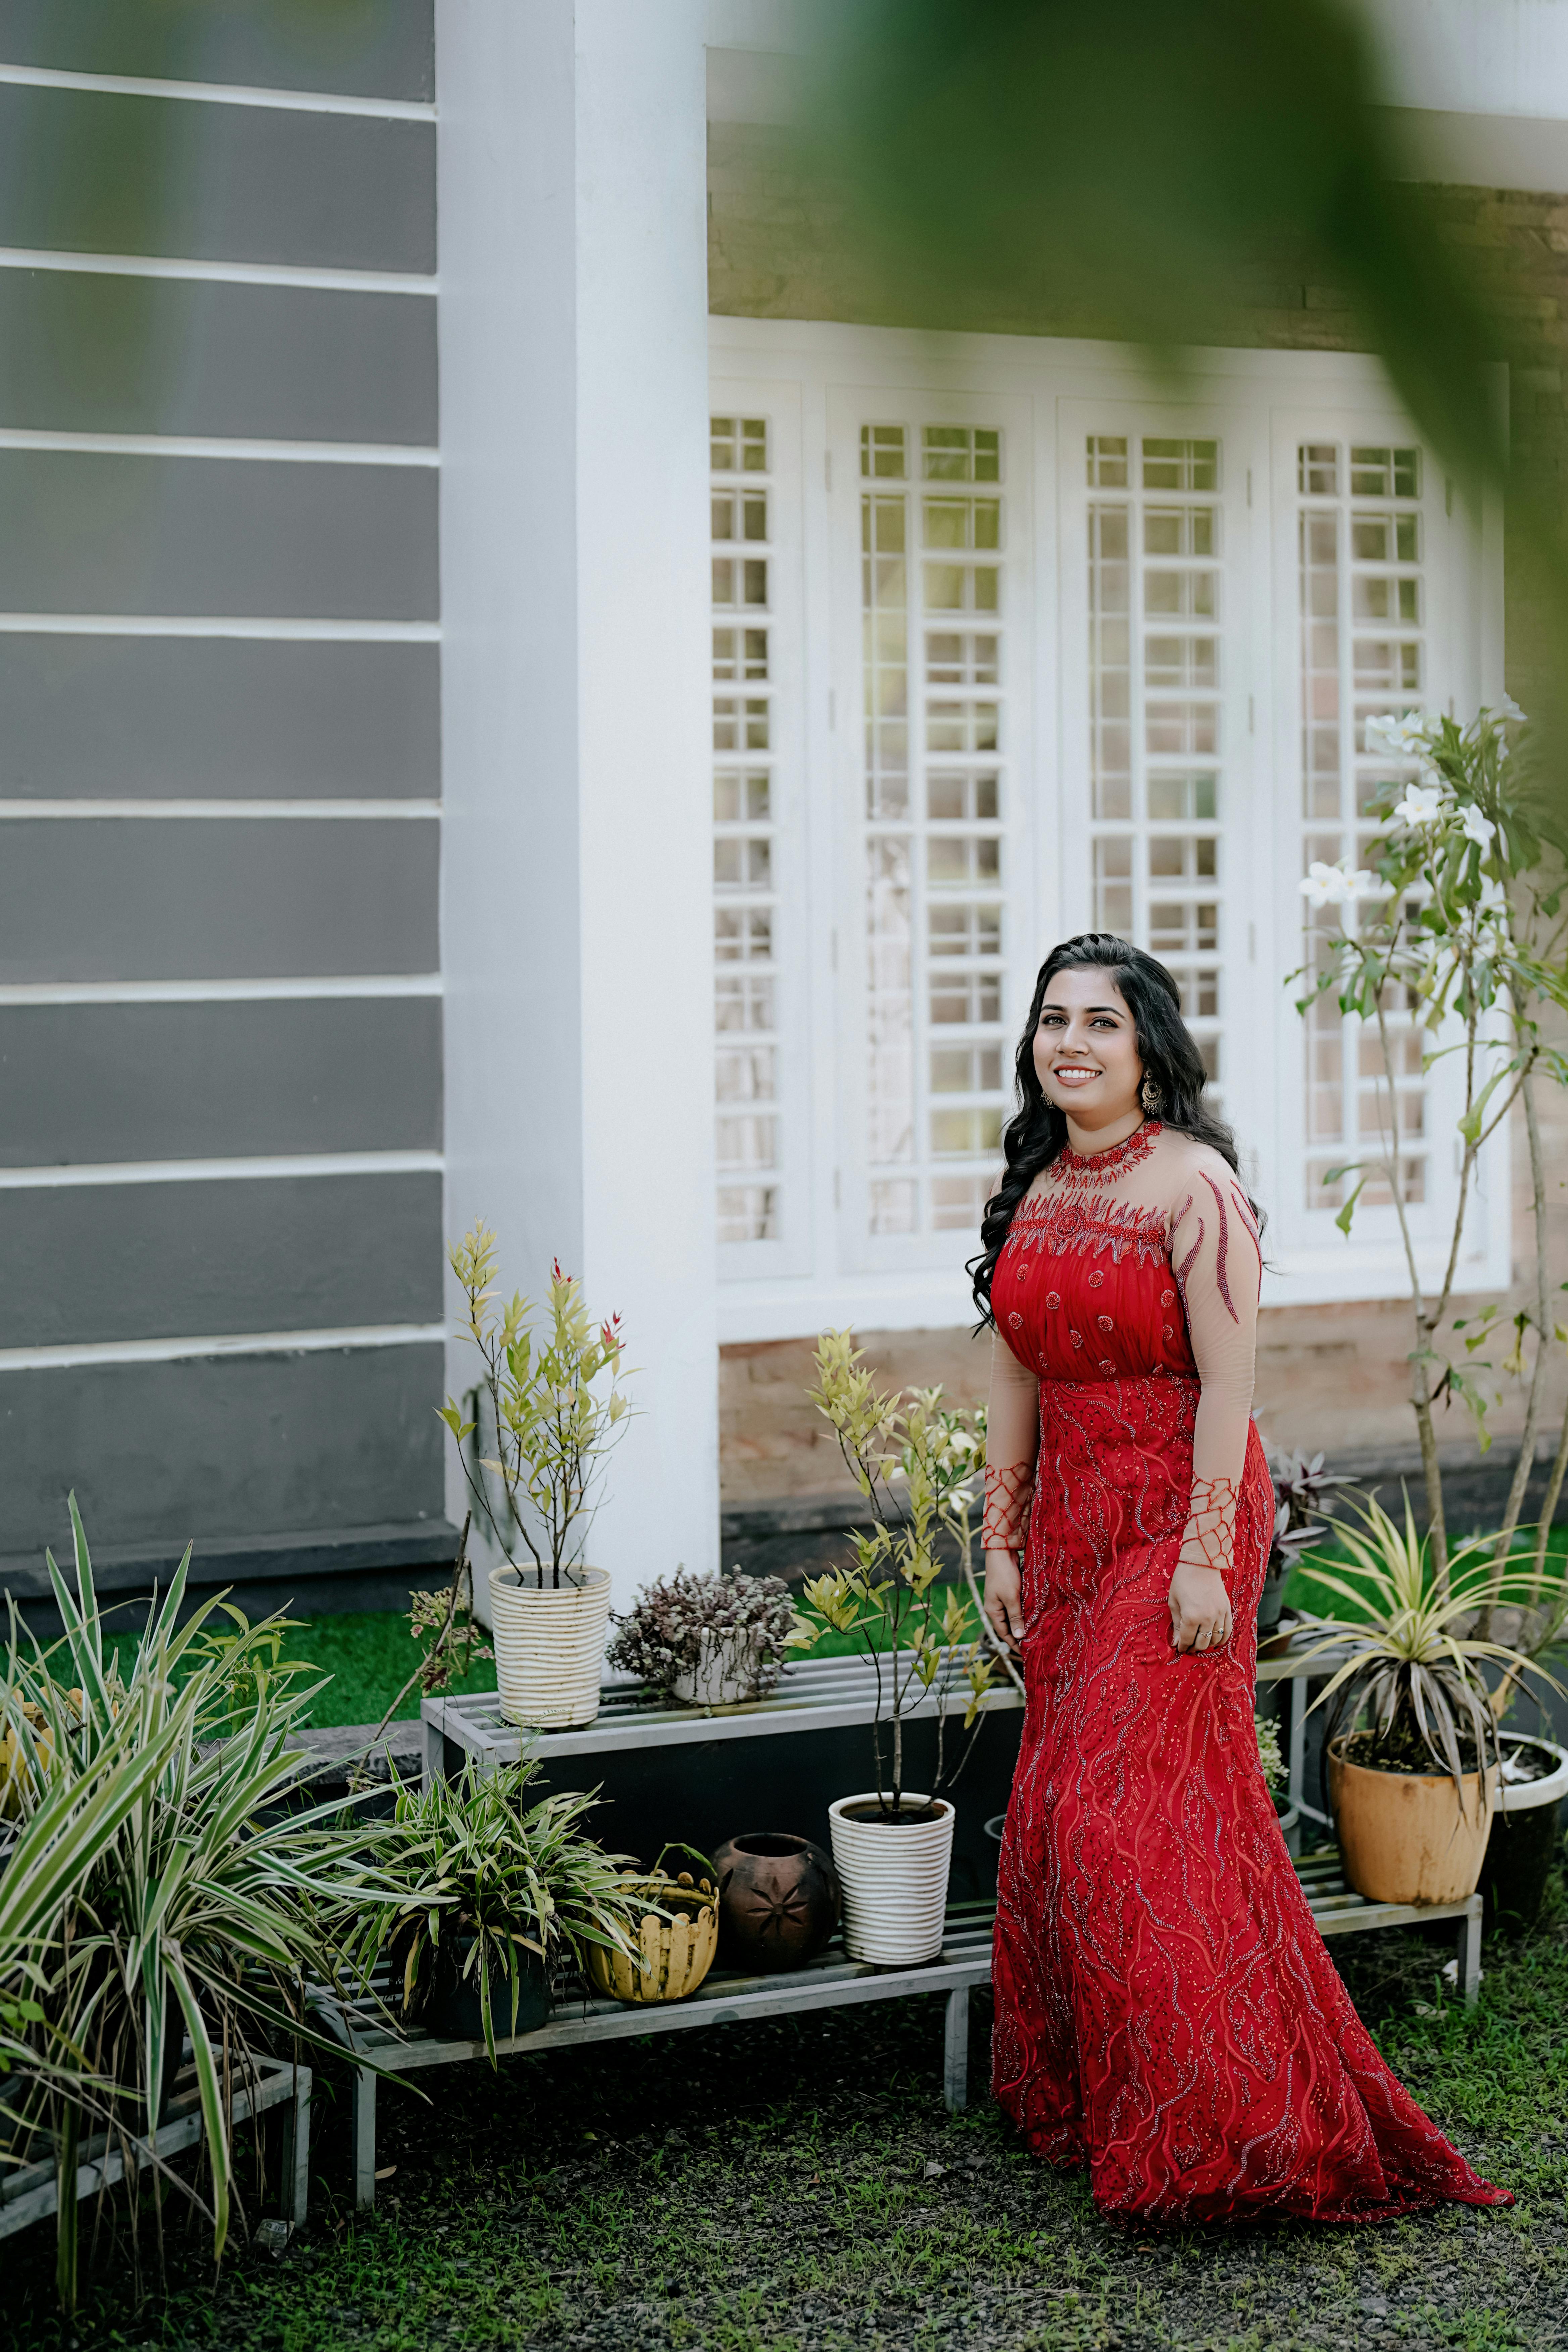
(555, 1410)
(1413, 1743)
(917, 1466)
(498, 1899)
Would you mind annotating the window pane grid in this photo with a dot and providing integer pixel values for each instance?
(1362, 609)
(935, 750)
(746, 940)
(1156, 750)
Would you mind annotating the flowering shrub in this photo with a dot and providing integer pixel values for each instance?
(744, 1618)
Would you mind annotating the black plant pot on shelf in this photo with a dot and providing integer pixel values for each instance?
(453, 2011)
(1526, 1835)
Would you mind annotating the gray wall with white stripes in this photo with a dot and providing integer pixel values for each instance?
(220, 1047)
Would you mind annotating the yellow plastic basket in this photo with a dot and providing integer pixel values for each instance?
(674, 1954)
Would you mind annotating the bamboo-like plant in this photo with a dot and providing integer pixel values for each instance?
(473, 1862)
(555, 1407)
(1462, 921)
(181, 1897)
(917, 1466)
(1416, 1667)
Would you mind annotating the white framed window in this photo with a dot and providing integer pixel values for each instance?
(1048, 651)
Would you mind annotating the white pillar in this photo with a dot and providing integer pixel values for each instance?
(576, 894)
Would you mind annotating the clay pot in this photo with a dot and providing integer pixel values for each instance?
(778, 1900)
(1403, 1837)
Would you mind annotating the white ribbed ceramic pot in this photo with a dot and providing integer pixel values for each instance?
(549, 1645)
(894, 1878)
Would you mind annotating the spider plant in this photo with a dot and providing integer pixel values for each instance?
(492, 1888)
(1416, 1668)
(187, 1895)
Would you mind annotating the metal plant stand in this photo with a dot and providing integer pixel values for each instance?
(29, 2191)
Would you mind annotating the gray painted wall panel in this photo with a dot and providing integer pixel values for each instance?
(85, 351)
(96, 172)
(199, 899)
(97, 718)
(87, 1084)
(96, 534)
(378, 49)
(90, 1261)
(221, 1446)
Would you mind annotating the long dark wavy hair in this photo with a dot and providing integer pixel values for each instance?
(1038, 1131)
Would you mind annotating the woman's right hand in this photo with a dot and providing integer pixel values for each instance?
(1003, 1601)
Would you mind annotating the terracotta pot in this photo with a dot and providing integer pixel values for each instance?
(1403, 1836)
(548, 1645)
(779, 1900)
(894, 1875)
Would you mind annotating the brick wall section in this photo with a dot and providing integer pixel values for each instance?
(1334, 1377)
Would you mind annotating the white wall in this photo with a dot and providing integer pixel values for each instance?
(576, 892)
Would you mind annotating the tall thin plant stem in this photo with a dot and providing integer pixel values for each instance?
(1519, 1483)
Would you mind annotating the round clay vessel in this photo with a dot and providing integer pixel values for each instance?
(778, 1899)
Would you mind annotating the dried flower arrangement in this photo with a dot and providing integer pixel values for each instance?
(709, 1639)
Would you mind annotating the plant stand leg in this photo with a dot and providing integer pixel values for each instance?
(365, 2139)
(297, 2151)
(1471, 1951)
(955, 2051)
(1296, 1710)
(433, 1739)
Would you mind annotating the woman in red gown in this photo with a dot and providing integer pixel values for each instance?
(1166, 2012)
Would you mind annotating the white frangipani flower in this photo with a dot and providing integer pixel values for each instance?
(1395, 739)
(1331, 886)
(1509, 708)
(1421, 808)
(1478, 828)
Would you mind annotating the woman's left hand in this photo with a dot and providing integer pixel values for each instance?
(1200, 1608)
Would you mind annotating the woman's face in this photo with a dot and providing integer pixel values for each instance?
(1085, 1048)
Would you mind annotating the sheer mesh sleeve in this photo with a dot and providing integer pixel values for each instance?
(1012, 1442)
(1218, 1263)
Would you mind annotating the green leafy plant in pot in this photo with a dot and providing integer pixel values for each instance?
(918, 1467)
(1413, 1742)
(556, 1411)
(708, 1641)
(188, 1895)
(498, 1900)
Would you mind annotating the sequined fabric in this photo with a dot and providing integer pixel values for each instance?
(1166, 2010)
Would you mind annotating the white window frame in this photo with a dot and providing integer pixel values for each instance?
(825, 1269)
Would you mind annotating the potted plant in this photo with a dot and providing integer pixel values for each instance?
(892, 1846)
(1413, 1786)
(556, 1411)
(498, 1900)
(1533, 1779)
(185, 1892)
(1301, 1491)
(708, 1641)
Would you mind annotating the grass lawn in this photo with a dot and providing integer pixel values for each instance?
(796, 2187)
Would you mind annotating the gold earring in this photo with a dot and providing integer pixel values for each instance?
(1151, 1097)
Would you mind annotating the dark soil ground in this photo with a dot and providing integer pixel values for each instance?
(796, 2186)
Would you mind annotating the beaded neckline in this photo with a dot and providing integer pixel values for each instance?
(1075, 1170)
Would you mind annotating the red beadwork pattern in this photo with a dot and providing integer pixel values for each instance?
(1055, 1223)
(1166, 2012)
(1009, 1491)
(1072, 1170)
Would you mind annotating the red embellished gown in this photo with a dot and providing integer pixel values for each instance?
(1166, 2012)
